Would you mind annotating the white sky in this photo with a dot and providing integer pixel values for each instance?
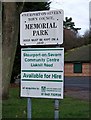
(77, 9)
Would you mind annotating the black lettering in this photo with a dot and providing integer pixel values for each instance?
(40, 26)
(40, 32)
(26, 26)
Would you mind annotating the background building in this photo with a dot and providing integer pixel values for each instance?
(78, 61)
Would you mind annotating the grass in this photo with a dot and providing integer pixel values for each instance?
(16, 107)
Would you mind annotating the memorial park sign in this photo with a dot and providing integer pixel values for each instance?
(41, 28)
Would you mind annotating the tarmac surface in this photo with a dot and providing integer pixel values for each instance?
(77, 87)
(78, 82)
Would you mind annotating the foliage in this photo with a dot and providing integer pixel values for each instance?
(36, 6)
(68, 24)
(71, 40)
(17, 63)
(43, 108)
(87, 37)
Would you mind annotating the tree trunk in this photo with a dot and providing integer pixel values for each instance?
(10, 39)
(0, 51)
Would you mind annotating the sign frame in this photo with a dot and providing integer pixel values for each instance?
(41, 28)
(29, 84)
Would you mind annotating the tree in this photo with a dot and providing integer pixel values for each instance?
(10, 39)
(0, 49)
(9, 42)
(68, 24)
(70, 34)
(87, 37)
(36, 6)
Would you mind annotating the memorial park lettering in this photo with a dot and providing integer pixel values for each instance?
(38, 27)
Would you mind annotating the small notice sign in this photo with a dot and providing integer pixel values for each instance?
(41, 28)
(42, 71)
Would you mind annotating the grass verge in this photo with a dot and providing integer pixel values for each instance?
(16, 107)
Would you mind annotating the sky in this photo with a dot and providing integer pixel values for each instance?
(77, 9)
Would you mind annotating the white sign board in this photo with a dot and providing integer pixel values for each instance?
(41, 27)
(42, 71)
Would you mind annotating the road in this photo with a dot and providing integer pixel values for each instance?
(78, 87)
(81, 83)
